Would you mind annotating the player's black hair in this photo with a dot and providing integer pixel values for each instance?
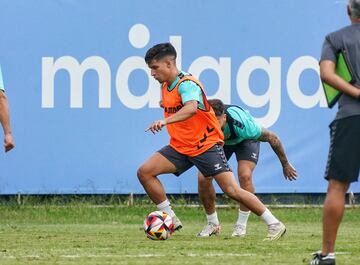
(218, 106)
(160, 51)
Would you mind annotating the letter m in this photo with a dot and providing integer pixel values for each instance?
(76, 72)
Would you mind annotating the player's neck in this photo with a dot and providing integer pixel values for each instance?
(172, 76)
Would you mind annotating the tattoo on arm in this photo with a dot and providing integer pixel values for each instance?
(276, 145)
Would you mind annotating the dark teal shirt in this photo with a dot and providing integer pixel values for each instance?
(250, 131)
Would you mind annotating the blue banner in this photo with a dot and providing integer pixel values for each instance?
(81, 95)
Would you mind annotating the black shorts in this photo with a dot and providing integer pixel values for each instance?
(344, 152)
(245, 150)
(209, 163)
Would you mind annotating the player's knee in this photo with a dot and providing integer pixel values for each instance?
(142, 173)
(245, 177)
(231, 192)
(337, 186)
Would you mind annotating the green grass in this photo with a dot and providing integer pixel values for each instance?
(81, 234)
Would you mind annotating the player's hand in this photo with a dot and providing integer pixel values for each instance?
(156, 126)
(289, 172)
(8, 142)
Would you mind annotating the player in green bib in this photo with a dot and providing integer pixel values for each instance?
(242, 135)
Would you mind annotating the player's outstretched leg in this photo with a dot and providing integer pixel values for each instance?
(147, 174)
(227, 183)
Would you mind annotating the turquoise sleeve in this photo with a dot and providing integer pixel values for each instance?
(188, 90)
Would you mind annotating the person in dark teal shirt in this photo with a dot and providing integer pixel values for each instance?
(242, 135)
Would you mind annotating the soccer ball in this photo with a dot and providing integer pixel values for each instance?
(158, 226)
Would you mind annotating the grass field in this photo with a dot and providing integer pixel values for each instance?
(85, 234)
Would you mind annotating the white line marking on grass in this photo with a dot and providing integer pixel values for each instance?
(221, 255)
(23, 256)
(9, 257)
(160, 255)
(72, 256)
(112, 256)
(32, 256)
(141, 255)
(79, 256)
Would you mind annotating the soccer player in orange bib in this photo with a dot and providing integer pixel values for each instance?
(195, 139)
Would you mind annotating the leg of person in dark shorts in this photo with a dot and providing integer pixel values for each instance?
(344, 154)
(166, 160)
(247, 153)
(226, 181)
(213, 164)
(340, 172)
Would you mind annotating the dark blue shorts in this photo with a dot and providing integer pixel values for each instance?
(210, 163)
(245, 150)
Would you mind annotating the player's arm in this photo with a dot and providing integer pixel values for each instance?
(191, 96)
(329, 76)
(270, 137)
(4, 120)
(187, 111)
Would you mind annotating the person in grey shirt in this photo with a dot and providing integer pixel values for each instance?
(4, 117)
(344, 153)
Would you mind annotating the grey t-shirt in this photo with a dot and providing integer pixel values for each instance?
(347, 39)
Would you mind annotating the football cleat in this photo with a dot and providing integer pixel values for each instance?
(177, 225)
(239, 231)
(209, 230)
(319, 259)
(275, 231)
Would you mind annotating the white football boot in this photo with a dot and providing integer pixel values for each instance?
(239, 231)
(275, 231)
(209, 230)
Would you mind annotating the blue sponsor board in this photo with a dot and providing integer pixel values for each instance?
(81, 95)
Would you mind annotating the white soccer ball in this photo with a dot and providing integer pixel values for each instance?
(158, 226)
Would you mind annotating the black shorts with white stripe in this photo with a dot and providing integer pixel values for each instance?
(344, 152)
(210, 163)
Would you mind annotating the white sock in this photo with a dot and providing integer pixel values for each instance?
(268, 217)
(213, 218)
(165, 207)
(243, 218)
(331, 255)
